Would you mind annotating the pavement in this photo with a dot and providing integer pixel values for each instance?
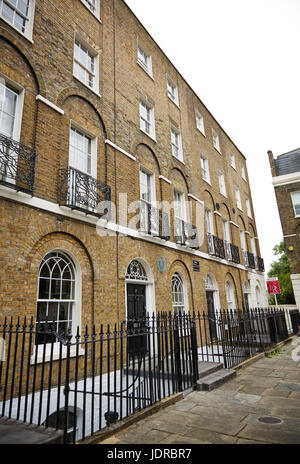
(260, 406)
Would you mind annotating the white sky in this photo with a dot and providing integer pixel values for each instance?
(241, 57)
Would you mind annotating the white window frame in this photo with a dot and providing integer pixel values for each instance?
(30, 21)
(243, 172)
(253, 246)
(248, 208)
(216, 141)
(76, 317)
(97, 12)
(182, 282)
(238, 198)
(200, 122)
(243, 240)
(183, 214)
(226, 230)
(151, 121)
(172, 95)
(230, 298)
(178, 147)
(296, 203)
(19, 105)
(83, 43)
(209, 222)
(94, 142)
(152, 200)
(232, 161)
(205, 169)
(146, 64)
(222, 185)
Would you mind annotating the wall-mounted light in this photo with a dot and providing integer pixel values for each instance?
(291, 248)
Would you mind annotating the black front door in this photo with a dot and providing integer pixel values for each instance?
(211, 315)
(136, 316)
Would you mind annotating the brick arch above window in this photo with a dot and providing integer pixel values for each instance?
(26, 55)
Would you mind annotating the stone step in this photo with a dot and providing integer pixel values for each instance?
(212, 381)
(207, 368)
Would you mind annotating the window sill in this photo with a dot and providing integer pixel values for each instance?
(27, 37)
(174, 102)
(223, 195)
(92, 90)
(218, 150)
(149, 135)
(207, 181)
(178, 159)
(202, 133)
(95, 16)
(55, 356)
(145, 70)
(240, 209)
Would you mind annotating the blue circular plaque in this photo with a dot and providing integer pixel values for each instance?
(161, 264)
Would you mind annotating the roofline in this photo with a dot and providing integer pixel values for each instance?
(288, 152)
(139, 21)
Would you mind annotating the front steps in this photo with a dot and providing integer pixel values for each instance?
(213, 375)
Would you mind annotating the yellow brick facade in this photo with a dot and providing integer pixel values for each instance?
(33, 225)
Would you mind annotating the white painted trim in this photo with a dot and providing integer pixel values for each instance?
(217, 212)
(108, 142)
(28, 33)
(292, 235)
(246, 232)
(195, 198)
(97, 15)
(47, 102)
(286, 179)
(234, 224)
(165, 179)
(54, 208)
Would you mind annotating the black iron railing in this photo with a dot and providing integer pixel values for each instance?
(82, 192)
(215, 246)
(186, 234)
(260, 264)
(17, 165)
(251, 260)
(235, 254)
(154, 221)
(82, 382)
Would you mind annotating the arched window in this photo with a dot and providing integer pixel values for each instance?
(56, 295)
(136, 271)
(258, 297)
(229, 295)
(209, 284)
(178, 298)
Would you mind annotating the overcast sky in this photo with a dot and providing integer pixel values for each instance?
(241, 57)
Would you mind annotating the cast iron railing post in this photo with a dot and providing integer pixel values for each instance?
(177, 354)
(194, 349)
(67, 387)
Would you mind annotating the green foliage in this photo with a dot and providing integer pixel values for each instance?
(281, 269)
(275, 352)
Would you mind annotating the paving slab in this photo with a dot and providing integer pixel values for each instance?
(270, 435)
(231, 413)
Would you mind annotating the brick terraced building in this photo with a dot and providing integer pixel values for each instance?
(91, 109)
(286, 180)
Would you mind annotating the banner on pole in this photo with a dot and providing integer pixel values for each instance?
(273, 286)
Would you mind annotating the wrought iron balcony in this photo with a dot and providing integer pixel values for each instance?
(251, 260)
(186, 234)
(17, 165)
(215, 246)
(154, 221)
(82, 192)
(235, 254)
(261, 264)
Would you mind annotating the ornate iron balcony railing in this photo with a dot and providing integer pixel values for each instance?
(17, 165)
(82, 192)
(215, 246)
(261, 264)
(251, 260)
(154, 221)
(186, 234)
(235, 254)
